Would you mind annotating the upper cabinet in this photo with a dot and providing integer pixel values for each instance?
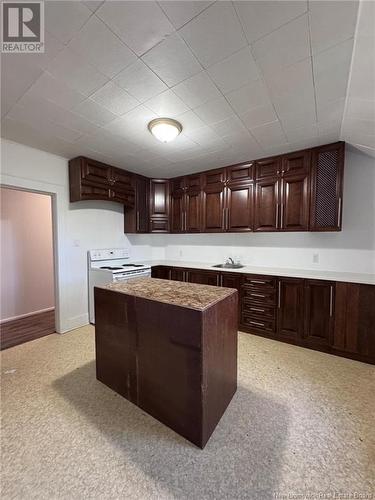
(326, 187)
(93, 180)
(136, 219)
(159, 206)
(213, 197)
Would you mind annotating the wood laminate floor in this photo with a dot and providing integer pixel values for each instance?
(22, 330)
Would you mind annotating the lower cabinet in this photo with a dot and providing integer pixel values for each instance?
(319, 313)
(334, 317)
(290, 306)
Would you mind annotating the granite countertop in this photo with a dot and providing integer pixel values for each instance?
(348, 277)
(190, 295)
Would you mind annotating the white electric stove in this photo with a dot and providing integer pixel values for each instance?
(111, 265)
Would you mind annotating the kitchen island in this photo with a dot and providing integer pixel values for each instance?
(171, 349)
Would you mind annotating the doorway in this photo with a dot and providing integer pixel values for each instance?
(27, 300)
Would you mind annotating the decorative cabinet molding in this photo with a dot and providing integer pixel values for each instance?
(93, 180)
(334, 317)
(159, 206)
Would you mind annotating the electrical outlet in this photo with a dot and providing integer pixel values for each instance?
(316, 258)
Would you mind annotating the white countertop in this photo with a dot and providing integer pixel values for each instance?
(363, 278)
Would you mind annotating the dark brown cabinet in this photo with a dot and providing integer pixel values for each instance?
(203, 277)
(185, 204)
(159, 206)
(290, 307)
(239, 198)
(333, 317)
(326, 187)
(213, 199)
(266, 205)
(136, 219)
(319, 312)
(294, 206)
(354, 330)
(93, 180)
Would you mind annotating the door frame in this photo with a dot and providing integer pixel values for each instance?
(55, 193)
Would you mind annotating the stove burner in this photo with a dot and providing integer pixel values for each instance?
(111, 268)
(132, 265)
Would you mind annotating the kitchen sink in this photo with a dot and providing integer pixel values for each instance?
(229, 266)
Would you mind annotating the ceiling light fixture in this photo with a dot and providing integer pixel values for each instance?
(165, 129)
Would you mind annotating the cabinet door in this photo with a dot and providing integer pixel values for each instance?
(142, 201)
(239, 207)
(233, 281)
(354, 330)
(159, 198)
(319, 311)
(326, 187)
(241, 173)
(161, 272)
(266, 205)
(177, 212)
(177, 274)
(213, 201)
(294, 208)
(203, 277)
(95, 171)
(290, 308)
(268, 167)
(193, 204)
(296, 163)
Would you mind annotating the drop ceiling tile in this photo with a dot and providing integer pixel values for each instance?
(331, 22)
(260, 18)
(249, 96)
(172, 60)
(269, 135)
(116, 100)
(329, 130)
(330, 110)
(232, 126)
(190, 121)
(76, 73)
(205, 136)
(259, 116)
(235, 71)
(56, 91)
(215, 34)
(214, 111)
(140, 81)
(141, 25)
(47, 110)
(197, 90)
(294, 120)
(96, 43)
(331, 72)
(167, 104)
(26, 115)
(95, 113)
(181, 12)
(366, 20)
(65, 19)
(302, 134)
(284, 47)
(16, 79)
(133, 124)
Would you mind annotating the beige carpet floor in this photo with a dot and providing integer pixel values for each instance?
(301, 423)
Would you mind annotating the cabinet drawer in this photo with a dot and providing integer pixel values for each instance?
(265, 325)
(260, 310)
(259, 281)
(264, 297)
(159, 226)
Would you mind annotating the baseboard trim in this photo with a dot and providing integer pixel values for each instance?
(20, 316)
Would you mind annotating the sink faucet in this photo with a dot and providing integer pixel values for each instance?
(230, 261)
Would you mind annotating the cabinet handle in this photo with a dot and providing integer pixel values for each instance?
(331, 301)
(227, 219)
(257, 295)
(279, 297)
(182, 221)
(339, 211)
(282, 216)
(277, 216)
(256, 309)
(256, 323)
(259, 282)
(218, 280)
(137, 220)
(185, 228)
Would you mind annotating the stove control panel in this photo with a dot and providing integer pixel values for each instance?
(108, 254)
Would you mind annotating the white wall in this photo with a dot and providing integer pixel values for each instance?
(78, 227)
(351, 250)
(27, 281)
